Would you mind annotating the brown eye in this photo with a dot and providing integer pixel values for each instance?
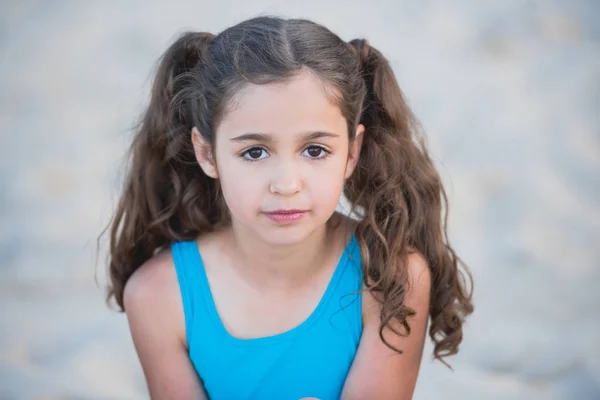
(315, 151)
(254, 154)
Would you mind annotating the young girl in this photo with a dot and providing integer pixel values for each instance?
(239, 276)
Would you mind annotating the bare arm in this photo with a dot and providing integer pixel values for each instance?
(377, 371)
(157, 323)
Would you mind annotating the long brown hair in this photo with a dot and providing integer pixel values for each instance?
(167, 197)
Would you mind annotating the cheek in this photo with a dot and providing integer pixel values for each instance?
(241, 186)
(326, 184)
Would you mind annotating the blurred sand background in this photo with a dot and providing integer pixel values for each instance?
(508, 92)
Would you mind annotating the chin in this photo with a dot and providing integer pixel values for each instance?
(288, 234)
(284, 236)
(283, 233)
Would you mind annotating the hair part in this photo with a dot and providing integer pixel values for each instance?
(167, 197)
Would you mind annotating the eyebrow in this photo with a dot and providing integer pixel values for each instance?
(265, 137)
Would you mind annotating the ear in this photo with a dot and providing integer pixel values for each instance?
(204, 154)
(354, 151)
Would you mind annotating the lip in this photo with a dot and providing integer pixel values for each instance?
(285, 216)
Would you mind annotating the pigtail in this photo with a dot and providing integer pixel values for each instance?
(166, 196)
(402, 198)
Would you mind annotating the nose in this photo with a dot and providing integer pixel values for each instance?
(286, 180)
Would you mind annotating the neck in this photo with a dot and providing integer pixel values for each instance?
(270, 267)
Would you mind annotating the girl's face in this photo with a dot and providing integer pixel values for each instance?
(282, 156)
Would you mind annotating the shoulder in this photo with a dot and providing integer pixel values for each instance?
(419, 275)
(151, 280)
(378, 372)
(156, 321)
(153, 291)
(418, 289)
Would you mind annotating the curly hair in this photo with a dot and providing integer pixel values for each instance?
(395, 187)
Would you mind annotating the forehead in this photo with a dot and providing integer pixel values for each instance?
(297, 105)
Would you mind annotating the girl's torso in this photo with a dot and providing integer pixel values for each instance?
(309, 360)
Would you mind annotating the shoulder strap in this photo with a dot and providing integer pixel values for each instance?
(192, 279)
(346, 307)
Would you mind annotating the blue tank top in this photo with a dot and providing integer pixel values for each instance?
(310, 360)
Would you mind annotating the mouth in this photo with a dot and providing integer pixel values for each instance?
(285, 216)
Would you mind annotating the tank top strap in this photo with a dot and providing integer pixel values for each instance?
(193, 283)
(348, 296)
